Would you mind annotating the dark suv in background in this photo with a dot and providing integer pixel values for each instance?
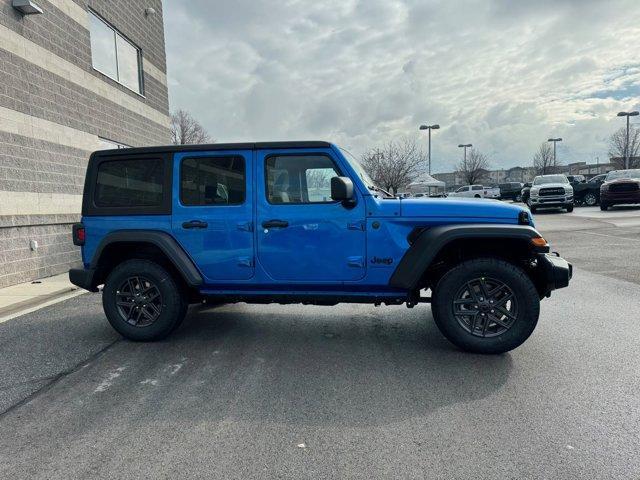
(511, 191)
(588, 193)
(620, 187)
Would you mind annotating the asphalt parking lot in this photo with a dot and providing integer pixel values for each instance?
(337, 392)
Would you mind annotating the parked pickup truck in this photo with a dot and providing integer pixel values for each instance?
(511, 191)
(300, 222)
(477, 191)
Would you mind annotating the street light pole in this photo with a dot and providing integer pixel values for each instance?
(554, 140)
(626, 143)
(429, 127)
(465, 146)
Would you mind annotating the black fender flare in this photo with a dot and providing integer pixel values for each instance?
(432, 240)
(165, 242)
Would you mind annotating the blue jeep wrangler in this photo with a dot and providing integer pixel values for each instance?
(300, 222)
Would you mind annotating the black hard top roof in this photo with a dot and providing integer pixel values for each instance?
(213, 147)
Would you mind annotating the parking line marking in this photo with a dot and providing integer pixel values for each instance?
(606, 235)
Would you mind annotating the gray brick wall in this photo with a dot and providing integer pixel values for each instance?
(67, 39)
(35, 91)
(31, 165)
(55, 253)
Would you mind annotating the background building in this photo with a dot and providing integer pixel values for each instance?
(80, 76)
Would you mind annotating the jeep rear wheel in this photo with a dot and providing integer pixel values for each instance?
(142, 301)
(486, 305)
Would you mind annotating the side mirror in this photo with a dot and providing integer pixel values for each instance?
(342, 190)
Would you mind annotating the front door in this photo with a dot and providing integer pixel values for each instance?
(213, 210)
(302, 234)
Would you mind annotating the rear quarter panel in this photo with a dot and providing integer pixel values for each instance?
(97, 227)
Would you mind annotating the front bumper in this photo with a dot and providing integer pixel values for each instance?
(83, 278)
(556, 272)
(616, 198)
(551, 201)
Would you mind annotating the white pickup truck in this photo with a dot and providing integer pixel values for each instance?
(477, 191)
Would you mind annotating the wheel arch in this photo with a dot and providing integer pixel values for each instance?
(435, 249)
(117, 247)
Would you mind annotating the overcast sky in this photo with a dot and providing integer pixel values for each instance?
(504, 75)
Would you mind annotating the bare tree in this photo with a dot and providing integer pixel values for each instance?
(187, 130)
(395, 164)
(318, 178)
(543, 161)
(617, 143)
(474, 167)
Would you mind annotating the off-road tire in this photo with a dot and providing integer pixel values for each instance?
(525, 293)
(173, 300)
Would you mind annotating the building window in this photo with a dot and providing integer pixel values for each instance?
(105, 144)
(130, 183)
(212, 181)
(114, 55)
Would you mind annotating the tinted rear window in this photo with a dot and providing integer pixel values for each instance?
(130, 183)
(212, 181)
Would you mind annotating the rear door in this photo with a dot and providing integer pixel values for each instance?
(212, 212)
(302, 234)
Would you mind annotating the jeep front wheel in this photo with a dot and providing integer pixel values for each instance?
(486, 305)
(142, 301)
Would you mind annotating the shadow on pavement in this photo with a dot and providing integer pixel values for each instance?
(314, 365)
(261, 370)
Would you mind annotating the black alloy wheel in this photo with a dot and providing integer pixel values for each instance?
(485, 307)
(139, 301)
(143, 301)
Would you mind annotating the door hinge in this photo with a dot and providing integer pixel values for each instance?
(245, 226)
(245, 261)
(359, 225)
(355, 262)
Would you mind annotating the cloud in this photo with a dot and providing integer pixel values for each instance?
(501, 74)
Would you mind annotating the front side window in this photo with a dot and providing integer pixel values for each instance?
(301, 179)
(130, 183)
(114, 55)
(212, 181)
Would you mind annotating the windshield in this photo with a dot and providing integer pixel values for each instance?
(635, 173)
(368, 181)
(550, 179)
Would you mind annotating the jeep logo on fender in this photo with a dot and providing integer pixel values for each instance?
(381, 261)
